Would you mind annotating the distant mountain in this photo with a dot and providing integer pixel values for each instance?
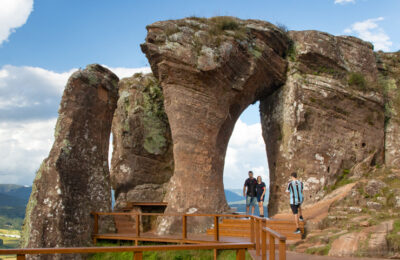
(232, 196)
(21, 192)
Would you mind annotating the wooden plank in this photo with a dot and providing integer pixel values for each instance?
(215, 254)
(252, 234)
(84, 250)
(96, 223)
(257, 231)
(240, 254)
(282, 250)
(263, 244)
(184, 227)
(271, 245)
(138, 256)
(137, 225)
(21, 257)
(216, 227)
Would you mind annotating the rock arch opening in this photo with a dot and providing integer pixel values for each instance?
(246, 151)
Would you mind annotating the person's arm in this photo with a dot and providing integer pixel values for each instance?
(244, 189)
(287, 189)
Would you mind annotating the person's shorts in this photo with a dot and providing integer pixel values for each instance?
(295, 208)
(250, 201)
(259, 198)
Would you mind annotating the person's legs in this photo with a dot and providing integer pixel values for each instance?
(261, 208)
(247, 205)
(253, 204)
(295, 210)
(300, 213)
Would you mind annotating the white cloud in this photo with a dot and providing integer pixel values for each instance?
(246, 151)
(13, 14)
(29, 100)
(344, 1)
(369, 30)
(127, 72)
(23, 147)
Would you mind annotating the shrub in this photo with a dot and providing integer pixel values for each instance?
(357, 80)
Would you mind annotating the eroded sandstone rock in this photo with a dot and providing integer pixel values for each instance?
(210, 70)
(328, 117)
(74, 179)
(389, 67)
(142, 160)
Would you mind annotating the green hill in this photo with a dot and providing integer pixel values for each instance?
(13, 200)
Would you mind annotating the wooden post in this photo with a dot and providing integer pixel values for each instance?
(240, 254)
(263, 244)
(138, 255)
(96, 223)
(215, 254)
(216, 228)
(184, 227)
(252, 238)
(257, 231)
(282, 250)
(271, 241)
(137, 226)
(20, 257)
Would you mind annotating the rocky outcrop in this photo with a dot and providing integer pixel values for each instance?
(142, 160)
(210, 70)
(328, 117)
(389, 68)
(74, 179)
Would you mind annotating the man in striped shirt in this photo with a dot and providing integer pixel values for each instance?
(295, 188)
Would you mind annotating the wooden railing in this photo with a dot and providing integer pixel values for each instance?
(137, 216)
(137, 250)
(259, 233)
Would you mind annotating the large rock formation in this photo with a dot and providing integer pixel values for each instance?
(74, 179)
(210, 71)
(142, 160)
(389, 67)
(328, 117)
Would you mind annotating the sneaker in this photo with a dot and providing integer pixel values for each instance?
(297, 231)
(301, 218)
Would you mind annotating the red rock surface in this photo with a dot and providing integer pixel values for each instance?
(206, 87)
(74, 179)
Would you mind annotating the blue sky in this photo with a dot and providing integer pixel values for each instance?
(43, 41)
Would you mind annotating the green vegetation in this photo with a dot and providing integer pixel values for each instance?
(323, 250)
(221, 24)
(172, 255)
(394, 237)
(9, 242)
(342, 180)
(291, 53)
(357, 80)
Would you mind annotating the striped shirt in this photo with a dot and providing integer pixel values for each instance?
(296, 192)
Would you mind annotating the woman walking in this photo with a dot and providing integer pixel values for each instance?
(261, 190)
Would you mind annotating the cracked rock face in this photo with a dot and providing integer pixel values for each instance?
(210, 70)
(142, 160)
(74, 179)
(389, 68)
(320, 123)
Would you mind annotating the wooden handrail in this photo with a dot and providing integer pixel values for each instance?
(167, 215)
(271, 239)
(85, 250)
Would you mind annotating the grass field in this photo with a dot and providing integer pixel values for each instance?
(167, 255)
(9, 242)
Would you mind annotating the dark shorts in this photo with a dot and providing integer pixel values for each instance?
(295, 208)
(259, 198)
